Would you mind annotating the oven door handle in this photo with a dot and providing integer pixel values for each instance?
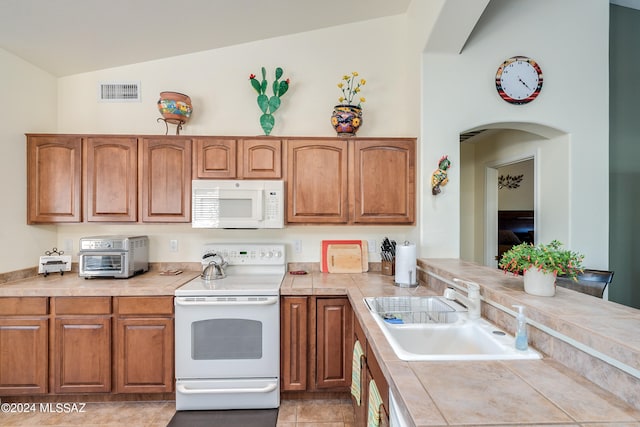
(184, 390)
(201, 302)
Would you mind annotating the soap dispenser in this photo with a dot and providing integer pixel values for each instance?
(522, 341)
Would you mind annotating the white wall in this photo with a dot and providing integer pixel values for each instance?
(459, 94)
(519, 198)
(29, 96)
(225, 104)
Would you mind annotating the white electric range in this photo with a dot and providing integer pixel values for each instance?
(227, 334)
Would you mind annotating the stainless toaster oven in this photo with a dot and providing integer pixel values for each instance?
(113, 256)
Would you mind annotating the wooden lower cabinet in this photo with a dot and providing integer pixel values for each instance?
(369, 370)
(24, 346)
(144, 349)
(333, 343)
(360, 409)
(78, 345)
(294, 345)
(81, 344)
(316, 343)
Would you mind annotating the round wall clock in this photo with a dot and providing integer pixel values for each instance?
(519, 80)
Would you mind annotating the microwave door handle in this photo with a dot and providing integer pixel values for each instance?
(190, 302)
(185, 390)
(259, 206)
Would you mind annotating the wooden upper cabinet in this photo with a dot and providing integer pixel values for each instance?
(260, 159)
(111, 178)
(54, 178)
(220, 158)
(165, 190)
(317, 181)
(214, 158)
(383, 181)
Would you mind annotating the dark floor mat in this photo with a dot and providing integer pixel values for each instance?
(229, 418)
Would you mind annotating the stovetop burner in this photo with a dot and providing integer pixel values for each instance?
(253, 269)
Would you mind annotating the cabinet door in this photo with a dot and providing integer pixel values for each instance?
(381, 382)
(24, 355)
(144, 355)
(260, 159)
(384, 409)
(166, 179)
(294, 343)
(111, 178)
(144, 344)
(334, 343)
(54, 176)
(214, 158)
(384, 181)
(360, 411)
(82, 354)
(317, 181)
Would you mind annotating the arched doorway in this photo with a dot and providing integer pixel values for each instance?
(483, 152)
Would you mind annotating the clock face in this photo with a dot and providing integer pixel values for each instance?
(519, 80)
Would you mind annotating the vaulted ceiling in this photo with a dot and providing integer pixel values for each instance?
(67, 37)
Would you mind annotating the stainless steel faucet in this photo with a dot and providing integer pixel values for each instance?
(471, 300)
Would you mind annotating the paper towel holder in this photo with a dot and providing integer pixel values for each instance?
(406, 278)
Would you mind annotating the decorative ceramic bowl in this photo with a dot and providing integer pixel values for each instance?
(175, 107)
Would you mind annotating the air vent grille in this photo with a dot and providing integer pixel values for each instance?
(119, 92)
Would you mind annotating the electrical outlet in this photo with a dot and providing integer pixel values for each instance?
(297, 246)
(173, 245)
(372, 246)
(68, 246)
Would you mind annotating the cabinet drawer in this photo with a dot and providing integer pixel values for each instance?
(81, 305)
(20, 306)
(144, 305)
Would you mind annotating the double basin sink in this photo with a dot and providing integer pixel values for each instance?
(436, 328)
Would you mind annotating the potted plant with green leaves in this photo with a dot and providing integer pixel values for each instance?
(541, 264)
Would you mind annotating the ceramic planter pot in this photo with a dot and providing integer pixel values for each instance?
(540, 283)
(346, 119)
(175, 107)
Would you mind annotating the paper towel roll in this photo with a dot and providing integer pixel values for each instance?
(406, 265)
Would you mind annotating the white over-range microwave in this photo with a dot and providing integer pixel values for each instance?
(237, 204)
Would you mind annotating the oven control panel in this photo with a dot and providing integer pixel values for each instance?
(246, 254)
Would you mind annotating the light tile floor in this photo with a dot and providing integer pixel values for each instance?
(292, 413)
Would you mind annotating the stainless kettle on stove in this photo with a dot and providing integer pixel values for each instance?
(215, 269)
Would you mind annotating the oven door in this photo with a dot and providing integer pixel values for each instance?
(107, 264)
(227, 337)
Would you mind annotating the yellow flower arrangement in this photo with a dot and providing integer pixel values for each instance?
(350, 87)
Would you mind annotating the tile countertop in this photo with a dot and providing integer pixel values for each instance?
(445, 393)
(70, 284)
(489, 393)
